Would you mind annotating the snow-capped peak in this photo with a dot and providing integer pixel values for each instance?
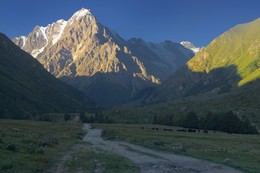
(62, 24)
(81, 12)
(43, 30)
(61, 21)
(23, 40)
(190, 46)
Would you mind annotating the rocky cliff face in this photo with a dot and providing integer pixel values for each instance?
(86, 54)
(161, 59)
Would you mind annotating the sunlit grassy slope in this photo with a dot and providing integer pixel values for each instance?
(240, 46)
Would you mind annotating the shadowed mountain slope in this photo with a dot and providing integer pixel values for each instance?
(27, 89)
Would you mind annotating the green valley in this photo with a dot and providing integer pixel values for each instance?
(178, 90)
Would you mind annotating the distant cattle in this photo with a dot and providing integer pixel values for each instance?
(142, 127)
(167, 130)
(206, 131)
(182, 130)
(192, 130)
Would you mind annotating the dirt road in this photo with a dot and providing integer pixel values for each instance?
(152, 161)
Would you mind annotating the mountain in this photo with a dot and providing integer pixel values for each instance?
(109, 69)
(229, 61)
(162, 59)
(190, 46)
(27, 89)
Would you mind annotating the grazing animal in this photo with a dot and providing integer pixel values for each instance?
(182, 130)
(192, 130)
(206, 131)
(167, 130)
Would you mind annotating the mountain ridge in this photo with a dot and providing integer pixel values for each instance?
(229, 61)
(86, 48)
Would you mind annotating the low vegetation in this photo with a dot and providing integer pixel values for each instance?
(241, 151)
(29, 146)
(35, 146)
(85, 159)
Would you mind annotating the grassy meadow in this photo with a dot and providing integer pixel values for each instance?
(37, 146)
(29, 146)
(240, 151)
(85, 159)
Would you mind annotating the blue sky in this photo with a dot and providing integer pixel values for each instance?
(198, 21)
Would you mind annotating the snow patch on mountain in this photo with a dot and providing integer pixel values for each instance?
(190, 46)
(23, 41)
(79, 14)
(43, 30)
(36, 52)
(57, 37)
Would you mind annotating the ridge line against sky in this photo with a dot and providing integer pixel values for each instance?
(198, 21)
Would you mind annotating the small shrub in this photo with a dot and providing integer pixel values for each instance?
(12, 147)
(40, 151)
(48, 141)
(179, 148)
(159, 143)
(108, 135)
(35, 150)
(29, 140)
(30, 150)
(1, 141)
(80, 135)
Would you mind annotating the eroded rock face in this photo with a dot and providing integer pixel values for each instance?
(82, 51)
